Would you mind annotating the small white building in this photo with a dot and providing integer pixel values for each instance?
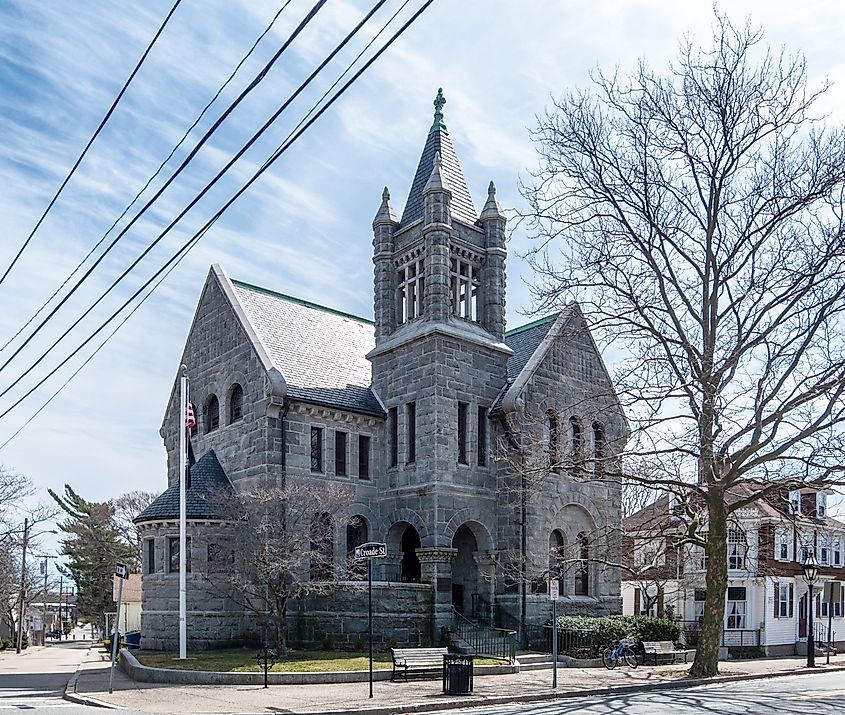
(766, 610)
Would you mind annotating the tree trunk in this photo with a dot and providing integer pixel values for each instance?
(706, 663)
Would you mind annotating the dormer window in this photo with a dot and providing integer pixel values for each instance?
(465, 278)
(795, 502)
(410, 282)
(821, 505)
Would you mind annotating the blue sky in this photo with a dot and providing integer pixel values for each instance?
(304, 229)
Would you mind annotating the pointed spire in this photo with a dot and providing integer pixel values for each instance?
(435, 181)
(439, 101)
(492, 209)
(385, 211)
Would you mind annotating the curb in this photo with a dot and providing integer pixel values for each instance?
(72, 696)
(479, 702)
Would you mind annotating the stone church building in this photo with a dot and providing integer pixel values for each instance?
(447, 427)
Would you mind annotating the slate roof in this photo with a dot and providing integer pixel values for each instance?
(524, 341)
(320, 352)
(205, 495)
(453, 177)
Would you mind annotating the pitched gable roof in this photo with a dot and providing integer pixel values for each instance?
(453, 178)
(205, 497)
(524, 341)
(320, 352)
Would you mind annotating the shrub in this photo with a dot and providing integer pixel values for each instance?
(24, 641)
(392, 643)
(327, 643)
(646, 628)
(360, 644)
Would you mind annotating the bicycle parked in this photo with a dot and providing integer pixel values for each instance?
(622, 650)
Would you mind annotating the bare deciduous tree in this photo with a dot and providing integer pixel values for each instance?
(282, 541)
(697, 216)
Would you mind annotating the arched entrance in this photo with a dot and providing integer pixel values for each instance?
(410, 567)
(464, 570)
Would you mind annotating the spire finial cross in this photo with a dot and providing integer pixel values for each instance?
(439, 101)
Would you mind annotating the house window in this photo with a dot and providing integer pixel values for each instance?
(699, 597)
(576, 439)
(698, 556)
(482, 436)
(735, 609)
(582, 570)
(462, 432)
(795, 502)
(782, 546)
(821, 505)
(211, 414)
(339, 453)
(393, 425)
(556, 555)
(151, 555)
(463, 289)
(236, 403)
(357, 533)
(649, 552)
(836, 551)
(173, 553)
(409, 292)
(316, 449)
(411, 431)
(783, 600)
(736, 549)
(824, 550)
(363, 457)
(552, 439)
(598, 446)
(322, 548)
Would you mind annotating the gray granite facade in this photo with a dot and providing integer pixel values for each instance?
(448, 405)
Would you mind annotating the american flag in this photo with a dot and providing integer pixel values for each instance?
(190, 418)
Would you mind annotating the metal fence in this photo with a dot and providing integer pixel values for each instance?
(497, 643)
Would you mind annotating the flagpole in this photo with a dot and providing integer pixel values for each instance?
(183, 579)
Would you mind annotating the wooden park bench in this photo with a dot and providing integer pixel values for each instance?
(664, 649)
(417, 660)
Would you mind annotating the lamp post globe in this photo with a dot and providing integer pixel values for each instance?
(811, 574)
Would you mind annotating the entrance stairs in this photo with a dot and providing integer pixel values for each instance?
(482, 640)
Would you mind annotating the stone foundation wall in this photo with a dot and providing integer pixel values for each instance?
(401, 613)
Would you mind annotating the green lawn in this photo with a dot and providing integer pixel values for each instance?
(243, 660)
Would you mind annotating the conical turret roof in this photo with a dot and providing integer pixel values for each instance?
(453, 177)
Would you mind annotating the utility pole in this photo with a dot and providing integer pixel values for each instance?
(22, 595)
(44, 609)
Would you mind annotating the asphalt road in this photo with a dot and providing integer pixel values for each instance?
(816, 694)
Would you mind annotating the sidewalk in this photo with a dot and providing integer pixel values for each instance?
(416, 695)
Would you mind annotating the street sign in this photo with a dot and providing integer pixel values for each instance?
(554, 589)
(371, 550)
(122, 571)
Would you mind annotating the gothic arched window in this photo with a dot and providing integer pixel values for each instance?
(552, 439)
(322, 547)
(598, 445)
(211, 413)
(576, 438)
(357, 533)
(556, 560)
(582, 572)
(236, 403)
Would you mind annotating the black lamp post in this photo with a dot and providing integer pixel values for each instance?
(811, 573)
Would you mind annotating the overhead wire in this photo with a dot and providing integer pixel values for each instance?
(280, 151)
(150, 180)
(90, 142)
(193, 202)
(254, 83)
(203, 232)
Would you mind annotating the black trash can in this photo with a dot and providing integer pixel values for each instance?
(457, 674)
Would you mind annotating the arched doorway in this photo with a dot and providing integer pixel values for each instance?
(410, 567)
(464, 570)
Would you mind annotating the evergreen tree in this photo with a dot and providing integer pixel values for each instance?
(93, 545)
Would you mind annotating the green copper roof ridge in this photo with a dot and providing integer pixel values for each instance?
(532, 324)
(301, 301)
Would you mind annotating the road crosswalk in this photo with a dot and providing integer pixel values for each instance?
(28, 699)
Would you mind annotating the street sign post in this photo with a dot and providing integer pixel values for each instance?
(122, 572)
(554, 595)
(371, 550)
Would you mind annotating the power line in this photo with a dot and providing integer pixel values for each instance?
(254, 83)
(198, 235)
(198, 238)
(150, 180)
(193, 202)
(90, 141)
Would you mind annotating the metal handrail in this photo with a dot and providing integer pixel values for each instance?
(497, 643)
